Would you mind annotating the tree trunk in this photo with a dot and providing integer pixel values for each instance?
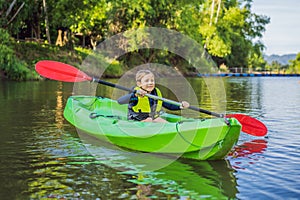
(13, 17)
(10, 7)
(212, 12)
(93, 43)
(46, 22)
(218, 11)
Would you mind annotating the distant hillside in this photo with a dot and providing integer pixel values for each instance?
(284, 59)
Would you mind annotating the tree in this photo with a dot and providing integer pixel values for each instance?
(9, 12)
(256, 60)
(227, 28)
(46, 22)
(275, 66)
(229, 37)
(294, 66)
(86, 17)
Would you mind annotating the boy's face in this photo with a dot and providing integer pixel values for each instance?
(147, 82)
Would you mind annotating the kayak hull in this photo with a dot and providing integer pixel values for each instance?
(105, 119)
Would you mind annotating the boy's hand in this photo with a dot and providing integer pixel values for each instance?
(140, 93)
(184, 105)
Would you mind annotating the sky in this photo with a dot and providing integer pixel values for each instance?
(282, 35)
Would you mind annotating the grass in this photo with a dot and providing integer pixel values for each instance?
(31, 53)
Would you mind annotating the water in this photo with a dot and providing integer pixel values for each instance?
(42, 156)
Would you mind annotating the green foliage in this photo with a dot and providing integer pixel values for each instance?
(227, 30)
(256, 60)
(18, 59)
(32, 52)
(114, 69)
(10, 65)
(12, 16)
(294, 66)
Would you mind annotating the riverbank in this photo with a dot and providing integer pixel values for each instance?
(19, 58)
(29, 53)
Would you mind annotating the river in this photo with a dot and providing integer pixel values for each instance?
(43, 156)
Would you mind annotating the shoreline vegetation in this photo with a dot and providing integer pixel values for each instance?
(29, 53)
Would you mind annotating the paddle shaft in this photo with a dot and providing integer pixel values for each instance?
(156, 97)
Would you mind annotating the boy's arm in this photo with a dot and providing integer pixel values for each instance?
(125, 99)
(170, 106)
(184, 104)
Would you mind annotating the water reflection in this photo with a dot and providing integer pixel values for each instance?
(248, 148)
(253, 151)
(59, 106)
(181, 178)
(245, 95)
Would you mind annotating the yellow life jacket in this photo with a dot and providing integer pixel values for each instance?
(143, 104)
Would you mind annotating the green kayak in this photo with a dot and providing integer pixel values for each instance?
(105, 119)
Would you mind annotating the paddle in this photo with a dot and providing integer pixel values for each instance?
(67, 73)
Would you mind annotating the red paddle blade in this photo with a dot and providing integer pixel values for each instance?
(60, 71)
(250, 125)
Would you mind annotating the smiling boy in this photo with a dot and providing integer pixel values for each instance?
(142, 108)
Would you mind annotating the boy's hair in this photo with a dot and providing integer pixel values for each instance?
(141, 73)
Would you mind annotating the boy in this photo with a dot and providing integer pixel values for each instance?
(142, 108)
